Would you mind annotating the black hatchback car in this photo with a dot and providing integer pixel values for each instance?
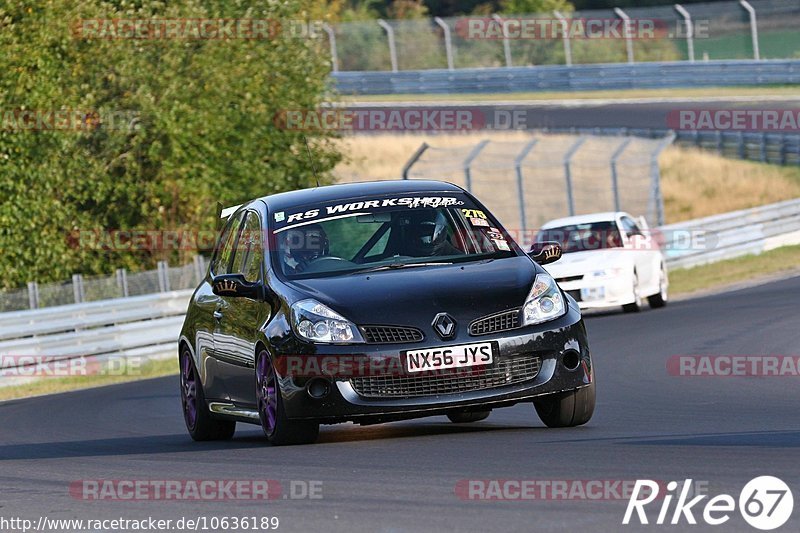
(374, 302)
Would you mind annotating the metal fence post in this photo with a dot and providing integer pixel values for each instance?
(199, 267)
(413, 159)
(468, 161)
(740, 144)
(332, 42)
(783, 149)
(33, 295)
(614, 181)
(506, 42)
(122, 281)
(655, 176)
(689, 30)
(520, 186)
(448, 42)
(565, 38)
(163, 276)
(753, 27)
(392, 48)
(77, 288)
(568, 173)
(626, 22)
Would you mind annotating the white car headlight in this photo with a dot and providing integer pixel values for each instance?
(609, 272)
(544, 302)
(316, 322)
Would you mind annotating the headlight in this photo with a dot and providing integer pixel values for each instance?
(316, 322)
(609, 272)
(544, 301)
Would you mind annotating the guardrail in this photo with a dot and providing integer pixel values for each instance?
(767, 147)
(146, 327)
(730, 235)
(657, 75)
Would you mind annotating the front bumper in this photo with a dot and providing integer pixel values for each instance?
(595, 293)
(550, 342)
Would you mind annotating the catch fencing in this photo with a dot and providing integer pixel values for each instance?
(528, 182)
(122, 284)
(730, 30)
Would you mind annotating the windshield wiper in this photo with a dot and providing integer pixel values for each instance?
(397, 266)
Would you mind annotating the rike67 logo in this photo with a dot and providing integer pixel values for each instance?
(765, 503)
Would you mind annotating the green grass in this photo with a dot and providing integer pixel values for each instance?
(689, 280)
(774, 90)
(150, 369)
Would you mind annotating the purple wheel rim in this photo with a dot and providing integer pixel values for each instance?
(267, 394)
(188, 390)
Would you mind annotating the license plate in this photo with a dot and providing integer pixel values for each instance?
(460, 356)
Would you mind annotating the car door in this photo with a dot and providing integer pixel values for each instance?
(643, 254)
(239, 318)
(208, 305)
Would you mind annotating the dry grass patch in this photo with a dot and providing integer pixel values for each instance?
(697, 184)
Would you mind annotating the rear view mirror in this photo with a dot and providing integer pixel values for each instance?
(545, 252)
(236, 285)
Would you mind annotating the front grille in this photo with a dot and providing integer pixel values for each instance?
(507, 372)
(569, 278)
(391, 334)
(495, 323)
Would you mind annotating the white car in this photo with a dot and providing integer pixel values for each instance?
(609, 259)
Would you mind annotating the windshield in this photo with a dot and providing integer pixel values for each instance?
(583, 237)
(388, 232)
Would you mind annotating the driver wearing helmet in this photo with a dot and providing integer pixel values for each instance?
(425, 235)
(303, 245)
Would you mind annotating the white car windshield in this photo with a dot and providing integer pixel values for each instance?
(583, 237)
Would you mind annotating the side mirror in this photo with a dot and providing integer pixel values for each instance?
(236, 285)
(545, 252)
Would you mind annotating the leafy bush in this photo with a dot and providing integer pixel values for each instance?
(198, 127)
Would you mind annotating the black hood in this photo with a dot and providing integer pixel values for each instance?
(413, 296)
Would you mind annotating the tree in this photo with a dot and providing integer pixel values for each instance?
(197, 126)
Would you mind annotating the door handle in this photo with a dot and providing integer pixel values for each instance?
(218, 315)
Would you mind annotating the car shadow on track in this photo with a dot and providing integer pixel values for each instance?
(352, 433)
(180, 443)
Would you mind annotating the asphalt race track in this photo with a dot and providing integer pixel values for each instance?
(402, 477)
(644, 113)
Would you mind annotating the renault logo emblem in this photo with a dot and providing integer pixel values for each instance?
(444, 325)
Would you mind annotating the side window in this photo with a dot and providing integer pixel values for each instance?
(250, 249)
(630, 227)
(225, 246)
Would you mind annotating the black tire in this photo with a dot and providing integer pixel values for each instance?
(465, 417)
(279, 429)
(200, 424)
(660, 298)
(567, 409)
(636, 306)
